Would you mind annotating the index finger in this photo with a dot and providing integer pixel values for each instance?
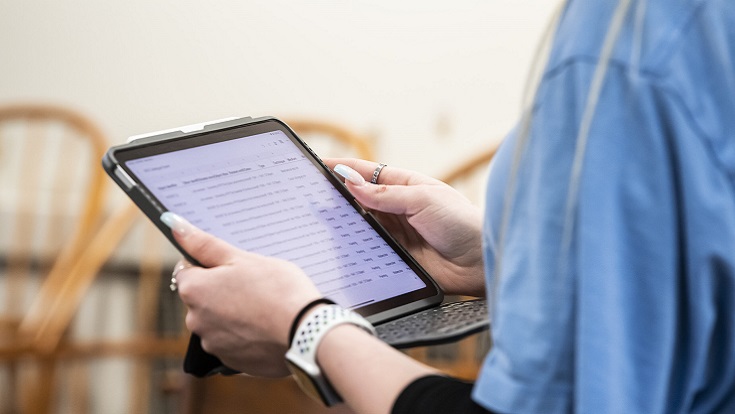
(388, 175)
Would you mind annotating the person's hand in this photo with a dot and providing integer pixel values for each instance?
(241, 304)
(438, 226)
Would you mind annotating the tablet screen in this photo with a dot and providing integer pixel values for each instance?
(263, 193)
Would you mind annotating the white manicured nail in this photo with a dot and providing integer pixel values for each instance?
(349, 174)
(177, 223)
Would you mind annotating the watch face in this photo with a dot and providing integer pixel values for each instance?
(306, 382)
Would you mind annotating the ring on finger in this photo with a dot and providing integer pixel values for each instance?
(376, 173)
(174, 283)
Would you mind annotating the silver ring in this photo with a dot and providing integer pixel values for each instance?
(376, 173)
(174, 285)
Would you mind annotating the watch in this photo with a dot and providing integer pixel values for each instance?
(301, 357)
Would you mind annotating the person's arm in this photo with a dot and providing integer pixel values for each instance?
(372, 377)
(367, 373)
(243, 317)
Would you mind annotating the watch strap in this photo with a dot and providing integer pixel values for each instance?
(309, 306)
(306, 341)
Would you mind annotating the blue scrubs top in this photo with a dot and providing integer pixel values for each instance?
(640, 318)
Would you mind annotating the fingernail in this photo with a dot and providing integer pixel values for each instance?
(177, 223)
(349, 174)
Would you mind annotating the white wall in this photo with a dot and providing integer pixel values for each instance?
(419, 76)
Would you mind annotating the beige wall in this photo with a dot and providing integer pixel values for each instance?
(419, 76)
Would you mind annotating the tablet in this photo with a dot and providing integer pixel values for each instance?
(255, 184)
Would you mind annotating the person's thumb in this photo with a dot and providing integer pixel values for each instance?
(203, 247)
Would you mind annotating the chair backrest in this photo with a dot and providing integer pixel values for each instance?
(51, 200)
(332, 140)
(469, 177)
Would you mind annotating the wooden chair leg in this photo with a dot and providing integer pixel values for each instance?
(40, 393)
(191, 396)
(78, 385)
(12, 406)
(141, 387)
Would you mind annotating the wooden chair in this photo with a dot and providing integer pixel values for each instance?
(50, 202)
(64, 260)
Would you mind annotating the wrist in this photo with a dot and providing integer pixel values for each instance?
(288, 318)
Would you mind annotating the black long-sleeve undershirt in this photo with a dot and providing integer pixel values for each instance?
(437, 394)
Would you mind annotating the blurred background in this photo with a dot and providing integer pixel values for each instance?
(87, 322)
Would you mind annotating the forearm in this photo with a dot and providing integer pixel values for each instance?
(367, 373)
